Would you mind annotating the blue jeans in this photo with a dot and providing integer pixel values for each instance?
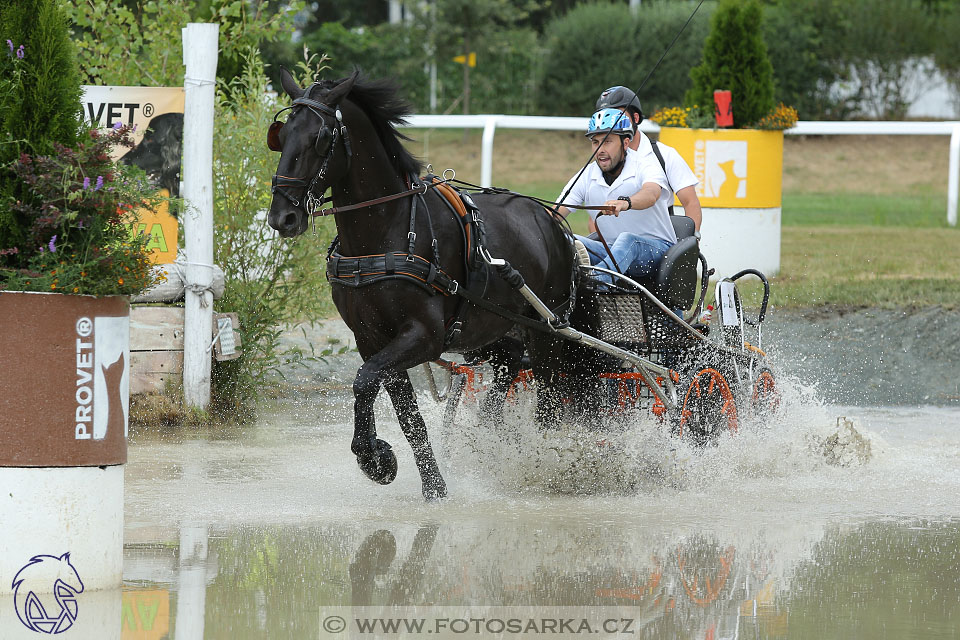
(636, 255)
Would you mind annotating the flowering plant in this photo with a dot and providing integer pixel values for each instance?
(690, 117)
(781, 117)
(77, 206)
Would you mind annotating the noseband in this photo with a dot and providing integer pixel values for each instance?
(324, 146)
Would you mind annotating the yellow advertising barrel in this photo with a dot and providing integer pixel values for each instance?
(741, 175)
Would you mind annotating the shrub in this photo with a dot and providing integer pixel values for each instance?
(735, 58)
(805, 43)
(39, 100)
(598, 45)
(888, 44)
(504, 80)
(270, 281)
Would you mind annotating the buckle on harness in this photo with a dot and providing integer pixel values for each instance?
(454, 287)
(411, 239)
(453, 333)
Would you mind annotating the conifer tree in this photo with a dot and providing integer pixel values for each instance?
(40, 96)
(735, 58)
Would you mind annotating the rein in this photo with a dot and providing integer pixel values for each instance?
(416, 191)
(424, 187)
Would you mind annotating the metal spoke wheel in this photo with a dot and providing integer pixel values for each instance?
(709, 406)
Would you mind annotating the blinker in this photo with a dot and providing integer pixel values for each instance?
(273, 136)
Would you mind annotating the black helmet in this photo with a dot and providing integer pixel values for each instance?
(619, 97)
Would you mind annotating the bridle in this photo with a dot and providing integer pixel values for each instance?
(324, 146)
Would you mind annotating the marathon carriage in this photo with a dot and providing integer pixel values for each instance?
(419, 270)
(700, 378)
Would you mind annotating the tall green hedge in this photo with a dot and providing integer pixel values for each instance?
(735, 58)
(40, 104)
(597, 45)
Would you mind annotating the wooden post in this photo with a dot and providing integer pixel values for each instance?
(200, 59)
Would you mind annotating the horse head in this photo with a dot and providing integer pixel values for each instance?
(315, 151)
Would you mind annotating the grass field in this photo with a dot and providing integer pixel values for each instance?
(864, 217)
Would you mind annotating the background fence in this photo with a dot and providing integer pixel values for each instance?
(490, 122)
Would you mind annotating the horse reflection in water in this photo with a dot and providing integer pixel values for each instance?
(374, 558)
(699, 587)
(341, 135)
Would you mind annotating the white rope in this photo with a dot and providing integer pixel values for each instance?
(193, 287)
(198, 82)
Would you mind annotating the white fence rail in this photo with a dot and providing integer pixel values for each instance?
(489, 124)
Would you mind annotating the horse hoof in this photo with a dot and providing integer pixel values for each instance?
(381, 464)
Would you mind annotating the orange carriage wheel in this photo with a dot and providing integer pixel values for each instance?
(709, 407)
(766, 396)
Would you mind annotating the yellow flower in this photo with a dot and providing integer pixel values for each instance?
(119, 280)
(53, 286)
(75, 289)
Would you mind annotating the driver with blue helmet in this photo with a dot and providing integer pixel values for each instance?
(637, 227)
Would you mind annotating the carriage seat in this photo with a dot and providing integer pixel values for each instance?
(675, 280)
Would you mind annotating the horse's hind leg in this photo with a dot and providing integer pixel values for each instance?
(505, 355)
(411, 422)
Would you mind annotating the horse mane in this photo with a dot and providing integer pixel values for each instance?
(386, 109)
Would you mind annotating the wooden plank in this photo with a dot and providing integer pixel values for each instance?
(150, 370)
(156, 328)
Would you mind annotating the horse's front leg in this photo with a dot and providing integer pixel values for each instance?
(408, 413)
(388, 366)
(375, 456)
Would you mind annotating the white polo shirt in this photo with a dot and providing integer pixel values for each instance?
(638, 169)
(679, 174)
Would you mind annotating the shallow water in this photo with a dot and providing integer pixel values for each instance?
(270, 531)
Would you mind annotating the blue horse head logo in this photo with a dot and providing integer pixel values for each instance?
(45, 593)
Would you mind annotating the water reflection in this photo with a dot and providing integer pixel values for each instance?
(876, 579)
(759, 538)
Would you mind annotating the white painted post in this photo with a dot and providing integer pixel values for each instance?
(953, 177)
(486, 154)
(200, 59)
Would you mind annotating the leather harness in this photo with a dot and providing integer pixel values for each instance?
(360, 271)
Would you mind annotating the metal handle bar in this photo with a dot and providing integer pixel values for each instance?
(766, 294)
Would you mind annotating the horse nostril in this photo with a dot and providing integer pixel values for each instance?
(289, 221)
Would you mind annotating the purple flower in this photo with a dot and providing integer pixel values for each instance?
(20, 52)
(117, 124)
(86, 183)
(99, 184)
(10, 44)
(79, 224)
(53, 244)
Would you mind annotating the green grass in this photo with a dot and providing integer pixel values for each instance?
(859, 209)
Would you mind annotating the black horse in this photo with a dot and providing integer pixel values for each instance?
(342, 135)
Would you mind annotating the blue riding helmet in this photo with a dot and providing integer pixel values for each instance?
(612, 120)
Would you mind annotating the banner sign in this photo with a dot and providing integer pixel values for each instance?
(156, 113)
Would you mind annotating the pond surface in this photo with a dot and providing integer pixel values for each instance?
(781, 532)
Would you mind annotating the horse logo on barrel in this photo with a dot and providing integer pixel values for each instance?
(45, 593)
